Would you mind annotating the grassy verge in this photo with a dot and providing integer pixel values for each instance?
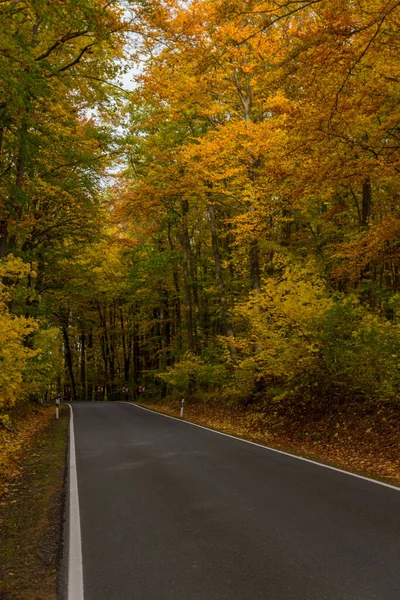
(354, 438)
(30, 515)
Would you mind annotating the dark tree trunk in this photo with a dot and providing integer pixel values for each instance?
(68, 359)
(89, 361)
(255, 267)
(177, 298)
(227, 327)
(366, 202)
(104, 379)
(16, 197)
(125, 349)
(111, 356)
(163, 326)
(194, 286)
(83, 366)
(136, 360)
(186, 276)
(3, 238)
(163, 334)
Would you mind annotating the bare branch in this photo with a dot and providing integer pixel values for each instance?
(77, 59)
(61, 41)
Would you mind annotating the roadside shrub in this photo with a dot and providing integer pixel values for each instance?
(303, 342)
(28, 356)
(192, 375)
(361, 352)
(298, 342)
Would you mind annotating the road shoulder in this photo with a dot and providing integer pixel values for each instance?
(352, 458)
(31, 517)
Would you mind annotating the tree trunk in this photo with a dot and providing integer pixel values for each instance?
(83, 366)
(125, 349)
(90, 366)
(111, 355)
(16, 197)
(227, 327)
(177, 299)
(68, 359)
(186, 276)
(104, 379)
(136, 360)
(255, 267)
(163, 335)
(3, 238)
(163, 328)
(366, 202)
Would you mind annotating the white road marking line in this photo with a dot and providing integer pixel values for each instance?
(239, 439)
(75, 570)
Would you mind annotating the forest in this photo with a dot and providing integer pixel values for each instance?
(202, 200)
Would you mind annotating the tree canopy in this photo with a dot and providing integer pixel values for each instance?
(229, 226)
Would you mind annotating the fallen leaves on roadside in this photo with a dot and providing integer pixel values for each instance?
(351, 438)
(15, 441)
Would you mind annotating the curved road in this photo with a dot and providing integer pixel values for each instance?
(175, 512)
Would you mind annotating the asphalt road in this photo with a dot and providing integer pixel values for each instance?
(174, 512)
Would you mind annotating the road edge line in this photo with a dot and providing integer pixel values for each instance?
(239, 439)
(75, 568)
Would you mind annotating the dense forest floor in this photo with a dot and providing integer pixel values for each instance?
(361, 438)
(31, 507)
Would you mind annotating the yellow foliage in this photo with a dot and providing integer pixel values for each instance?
(17, 357)
(283, 320)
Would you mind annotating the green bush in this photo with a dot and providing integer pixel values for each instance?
(299, 341)
(361, 352)
(192, 375)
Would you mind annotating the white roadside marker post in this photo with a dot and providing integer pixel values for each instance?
(182, 405)
(57, 405)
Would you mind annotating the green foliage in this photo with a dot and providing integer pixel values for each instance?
(192, 371)
(361, 352)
